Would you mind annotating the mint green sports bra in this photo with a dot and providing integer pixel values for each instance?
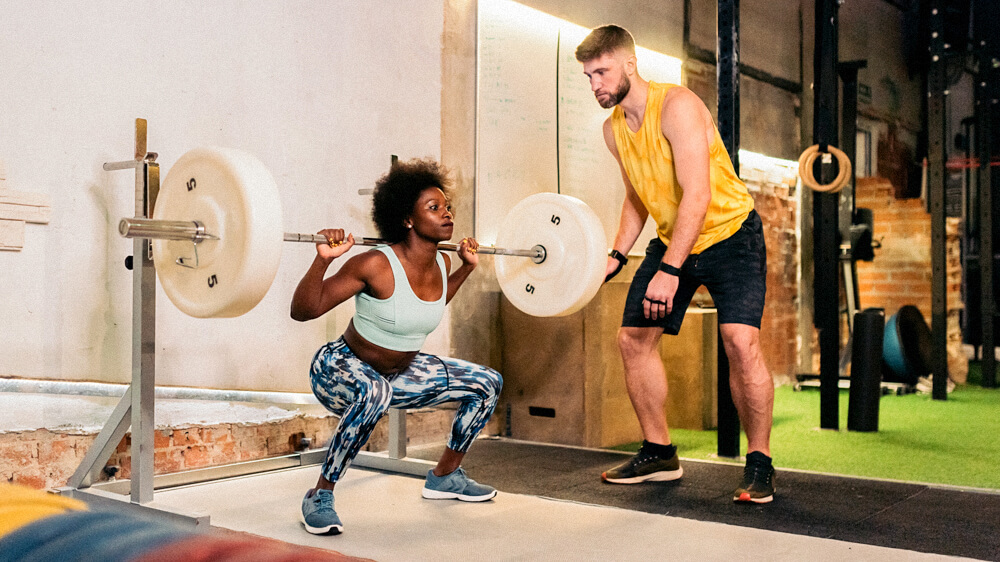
(402, 321)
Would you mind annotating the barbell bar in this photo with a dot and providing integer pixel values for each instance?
(216, 238)
(195, 232)
(537, 253)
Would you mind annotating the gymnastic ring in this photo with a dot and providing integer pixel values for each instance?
(806, 161)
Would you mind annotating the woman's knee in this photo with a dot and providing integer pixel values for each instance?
(494, 381)
(373, 394)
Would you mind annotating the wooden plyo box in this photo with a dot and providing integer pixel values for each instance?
(564, 379)
(16, 209)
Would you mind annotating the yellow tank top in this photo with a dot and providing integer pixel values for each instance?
(649, 163)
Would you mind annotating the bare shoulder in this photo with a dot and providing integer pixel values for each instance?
(683, 111)
(681, 101)
(366, 265)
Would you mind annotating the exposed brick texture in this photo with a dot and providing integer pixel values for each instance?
(773, 191)
(901, 272)
(45, 459)
(778, 209)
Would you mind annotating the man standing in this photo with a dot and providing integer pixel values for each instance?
(677, 170)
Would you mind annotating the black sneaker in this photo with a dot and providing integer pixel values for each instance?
(758, 480)
(645, 467)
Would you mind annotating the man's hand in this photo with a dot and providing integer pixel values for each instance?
(659, 300)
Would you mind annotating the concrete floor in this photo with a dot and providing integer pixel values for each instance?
(385, 519)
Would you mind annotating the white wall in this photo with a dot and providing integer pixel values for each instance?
(539, 127)
(321, 92)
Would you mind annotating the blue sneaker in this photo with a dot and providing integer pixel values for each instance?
(456, 486)
(318, 515)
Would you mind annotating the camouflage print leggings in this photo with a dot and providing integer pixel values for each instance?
(356, 392)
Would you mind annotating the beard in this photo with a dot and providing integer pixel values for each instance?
(619, 94)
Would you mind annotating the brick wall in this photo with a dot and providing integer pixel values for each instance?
(901, 272)
(774, 200)
(772, 184)
(773, 190)
(45, 459)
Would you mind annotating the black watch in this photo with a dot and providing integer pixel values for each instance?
(669, 269)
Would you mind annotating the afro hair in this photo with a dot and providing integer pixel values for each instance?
(396, 194)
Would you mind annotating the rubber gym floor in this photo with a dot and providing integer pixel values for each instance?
(919, 517)
(553, 506)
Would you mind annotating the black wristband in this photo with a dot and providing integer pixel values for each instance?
(669, 269)
(619, 256)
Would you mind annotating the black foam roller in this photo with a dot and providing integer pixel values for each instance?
(866, 370)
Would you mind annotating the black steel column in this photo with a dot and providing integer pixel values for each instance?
(849, 132)
(937, 83)
(728, 85)
(826, 288)
(970, 226)
(986, 27)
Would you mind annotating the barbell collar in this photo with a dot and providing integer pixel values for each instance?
(164, 229)
(124, 165)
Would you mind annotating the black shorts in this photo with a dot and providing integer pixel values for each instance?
(734, 271)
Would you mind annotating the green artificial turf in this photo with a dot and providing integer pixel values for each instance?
(955, 441)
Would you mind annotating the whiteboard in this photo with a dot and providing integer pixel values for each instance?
(516, 114)
(539, 126)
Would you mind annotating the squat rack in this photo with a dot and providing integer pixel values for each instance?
(136, 407)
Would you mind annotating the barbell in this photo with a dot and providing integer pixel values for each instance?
(216, 237)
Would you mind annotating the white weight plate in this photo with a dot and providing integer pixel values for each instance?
(234, 195)
(576, 255)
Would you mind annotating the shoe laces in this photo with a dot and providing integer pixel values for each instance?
(323, 501)
(754, 472)
(642, 457)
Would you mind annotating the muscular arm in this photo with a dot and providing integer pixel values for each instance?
(316, 296)
(466, 251)
(686, 124)
(457, 277)
(634, 213)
